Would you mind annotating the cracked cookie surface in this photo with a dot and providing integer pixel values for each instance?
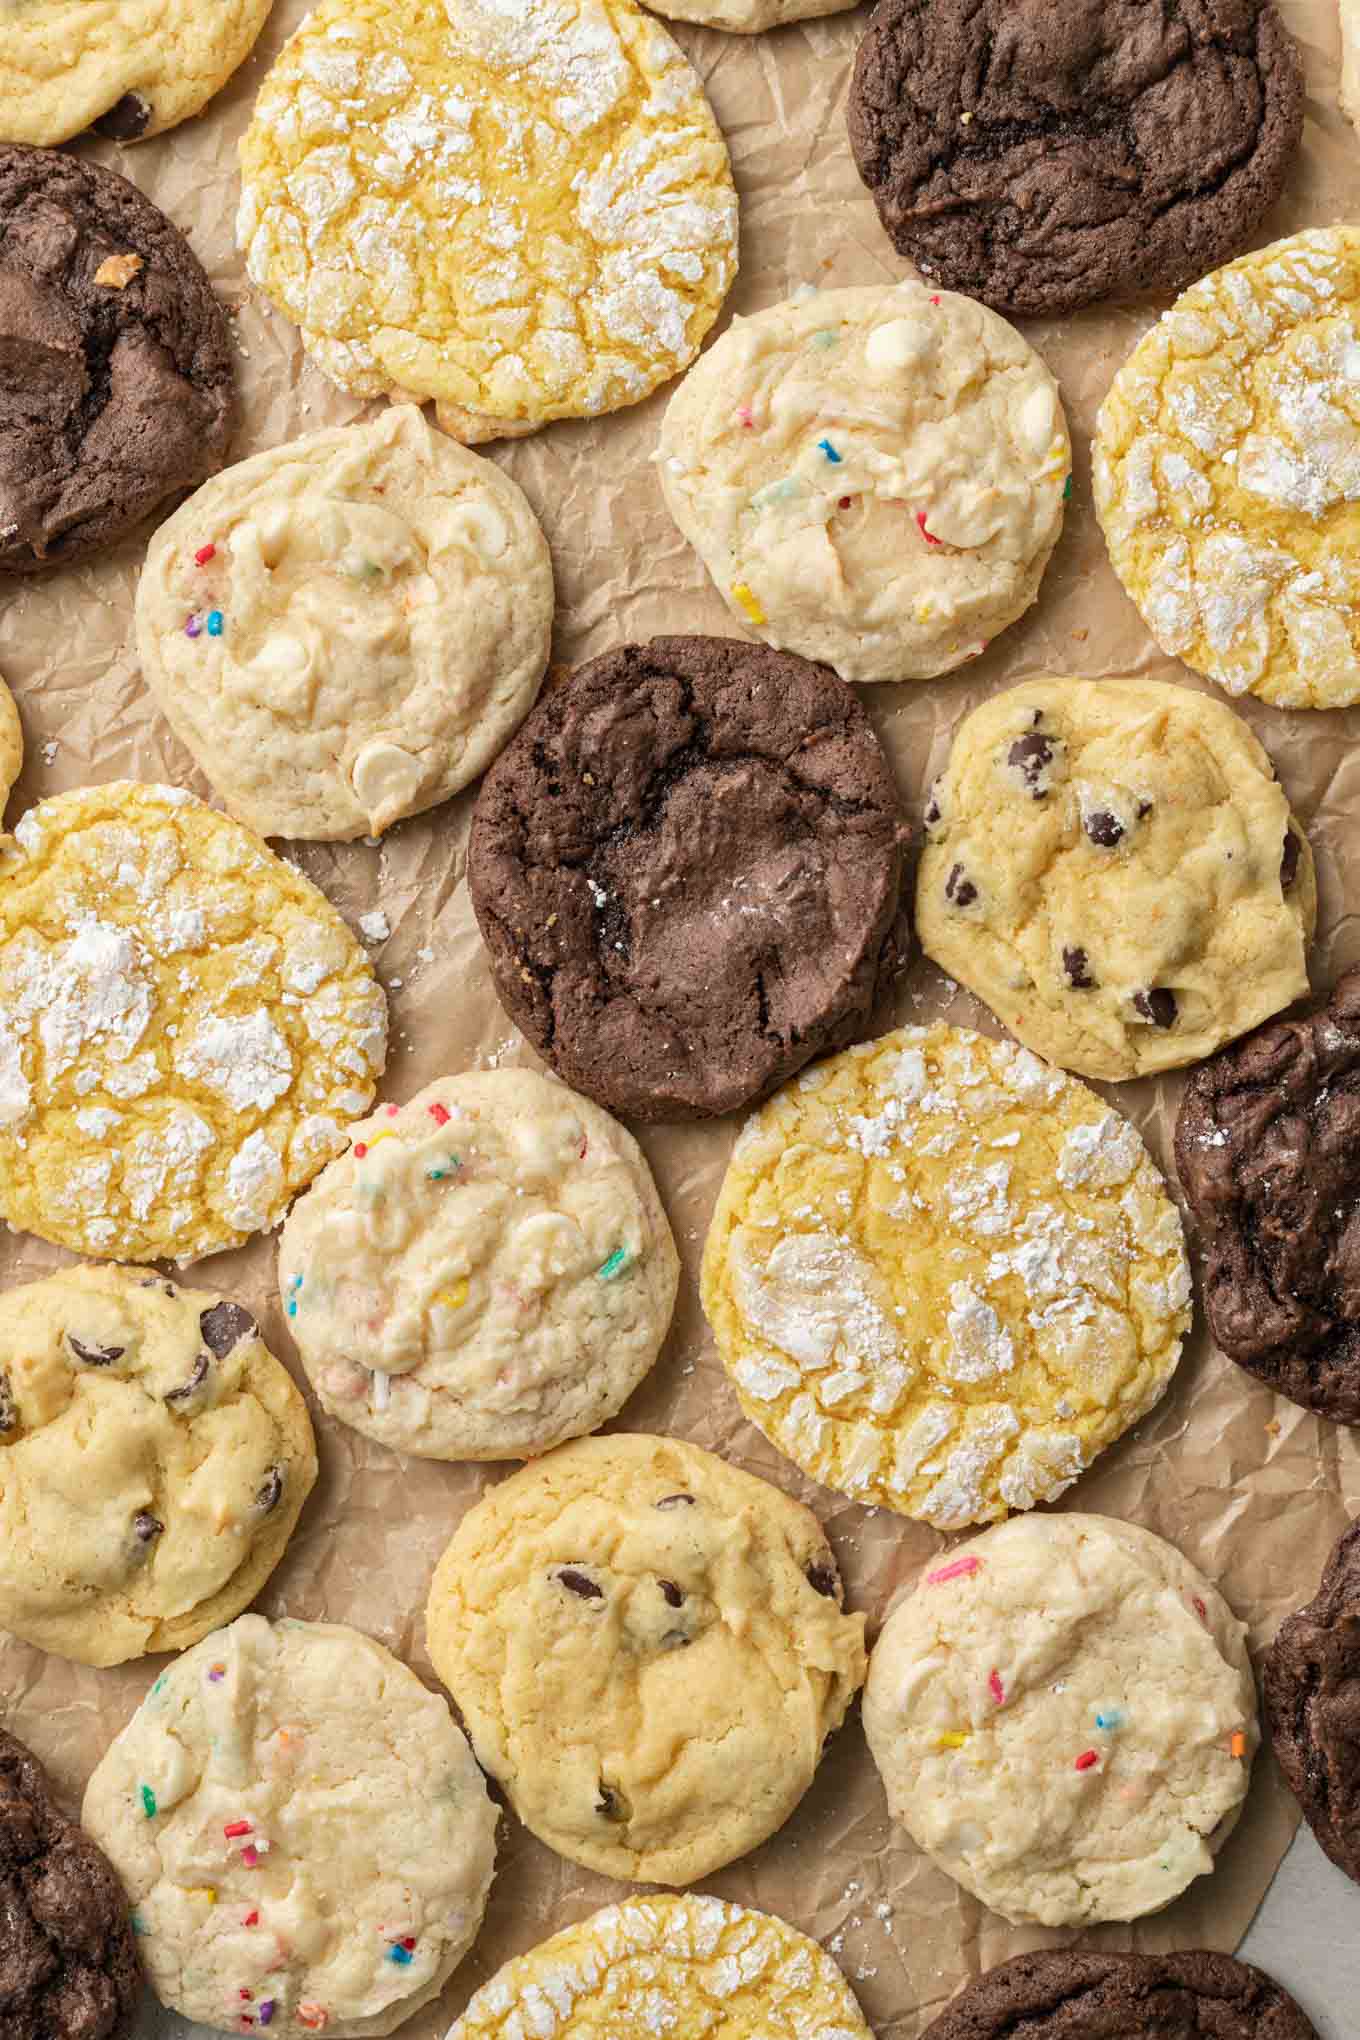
(1076, 1994)
(1312, 1694)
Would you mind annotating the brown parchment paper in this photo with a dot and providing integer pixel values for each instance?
(1252, 1489)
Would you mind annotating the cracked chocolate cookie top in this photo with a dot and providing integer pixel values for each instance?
(686, 868)
(1041, 157)
(1268, 1157)
(1312, 1687)
(1072, 1995)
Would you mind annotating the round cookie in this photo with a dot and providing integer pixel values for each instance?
(749, 17)
(943, 1277)
(155, 1459)
(187, 1026)
(524, 214)
(1312, 1679)
(649, 1651)
(346, 629)
(294, 1816)
(873, 477)
(485, 1274)
(687, 868)
(1113, 867)
(1040, 158)
(1076, 1994)
(1064, 1717)
(1227, 474)
(11, 745)
(128, 68)
(696, 1960)
(118, 388)
(68, 1960)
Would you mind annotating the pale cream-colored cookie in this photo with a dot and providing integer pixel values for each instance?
(649, 1651)
(1064, 1716)
(187, 1026)
(1227, 473)
(302, 1831)
(1113, 866)
(11, 745)
(873, 477)
(748, 17)
(346, 629)
(693, 1968)
(524, 211)
(486, 1273)
(943, 1276)
(154, 1459)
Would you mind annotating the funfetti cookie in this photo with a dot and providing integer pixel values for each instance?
(749, 17)
(1113, 866)
(873, 477)
(1311, 1680)
(187, 1026)
(523, 212)
(345, 630)
(1079, 1994)
(1064, 1717)
(485, 1274)
(943, 1276)
(302, 1832)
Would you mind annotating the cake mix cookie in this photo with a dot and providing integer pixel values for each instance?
(1064, 1718)
(187, 1027)
(873, 477)
(749, 17)
(1227, 473)
(1312, 1687)
(345, 630)
(1039, 158)
(649, 1650)
(687, 869)
(68, 1959)
(11, 745)
(523, 213)
(155, 1460)
(486, 1273)
(687, 1959)
(301, 1829)
(1076, 1994)
(1267, 1157)
(1113, 866)
(117, 389)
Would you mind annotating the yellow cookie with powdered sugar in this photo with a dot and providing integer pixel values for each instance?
(944, 1276)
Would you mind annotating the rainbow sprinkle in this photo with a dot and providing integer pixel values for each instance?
(439, 1114)
(1238, 1746)
(313, 2015)
(455, 1298)
(1088, 1760)
(928, 536)
(252, 1919)
(744, 416)
(450, 1168)
(203, 1891)
(1067, 490)
(746, 597)
(996, 1689)
(192, 627)
(1111, 1719)
(825, 446)
(234, 1828)
(402, 1952)
(138, 1924)
(204, 554)
(953, 1740)
(216, 1674)
(214, 623)
(148, 1802)
(294, 1284)
(250, 1856)
(961, 1569)
(614, 1266)
(267, 2006)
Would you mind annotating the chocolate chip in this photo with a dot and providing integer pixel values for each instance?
(579, 1583)
(127, 118)
(146, 1528)
(1077, 965)
(92, 1355)
(611, 1803)
(1144, 809)
(1158, 1006)
(1289, 862)
(224, 1326)
(190, 1387)
(673, 1593)
(9, 1415)
(959, 888)
(676, 1502)
(270, 1493)
(823, 1575)
(1031, 755)
(933, 811)
(1103, 828)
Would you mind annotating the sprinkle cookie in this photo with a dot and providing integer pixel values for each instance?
(346, 629)
(943, 1276)
(649, 1651)
(749, 17)
(1227, 473)
(524, 211)
(1077, 1994)
(1112, 865)
(186, 1026)
(11, 745)
(1310, 1686)
(687, 1960)
(485, 1274)
(306, 1841)
(872, 477)
(1064, 1717)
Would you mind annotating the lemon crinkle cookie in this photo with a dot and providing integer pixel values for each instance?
(944, 1276)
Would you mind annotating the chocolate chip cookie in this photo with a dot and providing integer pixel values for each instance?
(1312, 1688)
(1268, 1157)
(68, 1961)
(1072, 1995)
(116, 383)
(1040, 157)
(687, 868)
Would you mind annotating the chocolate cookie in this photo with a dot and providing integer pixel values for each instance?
(1312, 1687)
(1268, 1157)
(686, 867)
(116, 383)
(68, 1961)
(1070, 1995)
(1040, 156)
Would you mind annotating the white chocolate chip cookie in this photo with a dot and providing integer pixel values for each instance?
(11, 745)
(943, 1276)
(306, 1840)
(873, 477)
(1064, 1716)
(1112, 865)
(346, 629)
(187, 1026)
(486, 1273)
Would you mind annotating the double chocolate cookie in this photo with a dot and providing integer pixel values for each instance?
(1312, 1687)
(1070, 1995)
(116, 383)
(687, 867)
(1268, 1153)
(1040, 156)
